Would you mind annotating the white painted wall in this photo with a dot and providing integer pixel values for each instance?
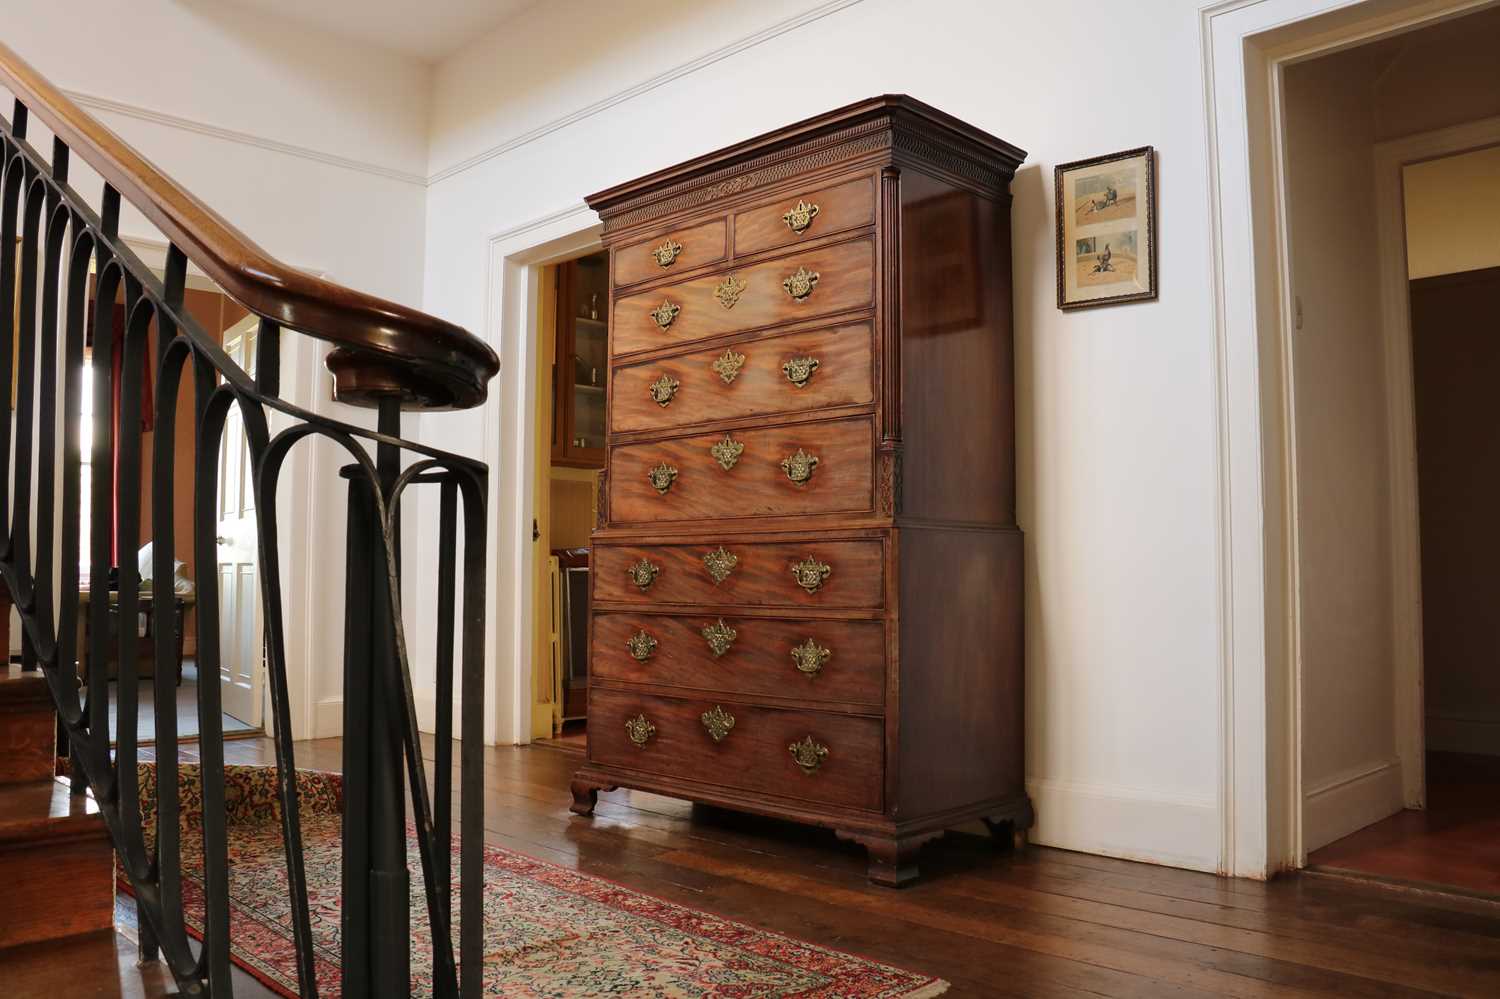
(1116, 405)
(316, 148)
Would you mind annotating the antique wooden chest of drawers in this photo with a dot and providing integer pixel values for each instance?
(807, 572)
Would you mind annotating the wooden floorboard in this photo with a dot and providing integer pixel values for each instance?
(1042, 922)
(1453, 842)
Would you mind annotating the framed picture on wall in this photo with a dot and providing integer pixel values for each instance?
(1106, 229)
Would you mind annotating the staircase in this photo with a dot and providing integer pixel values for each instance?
(56, 860)
(57, 248)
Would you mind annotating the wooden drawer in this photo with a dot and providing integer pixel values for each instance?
(684, 248)
(845, 281)
(754, 755)
(750, 380)
(831, 209)
(761, 577)
(758, 484)
(765, 656)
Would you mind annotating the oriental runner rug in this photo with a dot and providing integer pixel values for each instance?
(549, 931)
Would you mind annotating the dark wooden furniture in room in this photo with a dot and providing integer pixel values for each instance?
(807, 575)
(578, 369)
(145, 643)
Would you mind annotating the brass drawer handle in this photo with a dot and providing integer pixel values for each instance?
(799, 370)
(719, 637)
(641, 646)
(729, 290)
(666, 253)
(728, 365)
(800, 217)
(800, 284)
(718, 722)
(808, 754)
(720, 563)
(643, 574)
(663, 389)
(799, 467)
(664, 313)
(639, 730)
(810, 574)
(727, 452)
(810, 657)
(662, 477)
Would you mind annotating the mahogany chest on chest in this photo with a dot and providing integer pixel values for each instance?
(807, 574)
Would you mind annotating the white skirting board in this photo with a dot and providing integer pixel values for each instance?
(1350, 801)
(1464, 734)
(1131, 823)
(328, 719)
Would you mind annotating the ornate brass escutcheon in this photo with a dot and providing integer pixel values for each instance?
(728, 365)
(727, 452)
(808, 754)
(662, 477)
(663, 389)
(800, 284)
(718, 722)
(719, 637)
(810, 657)
(800, 217)
(643, 574)
(799, 370)
(641, 646)
(720, 563)
(810, 574)
(799, 467)
(667, 252)
(664, 313)
(639, 730)
(729, 290)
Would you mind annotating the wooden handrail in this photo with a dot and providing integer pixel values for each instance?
(384, 348)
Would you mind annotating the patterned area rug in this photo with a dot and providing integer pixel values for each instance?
(549, 931)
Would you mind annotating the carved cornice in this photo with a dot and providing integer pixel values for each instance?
(907, 130)
(740, 177)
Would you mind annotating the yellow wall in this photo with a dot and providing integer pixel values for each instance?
(1453, 213)
(572, 513)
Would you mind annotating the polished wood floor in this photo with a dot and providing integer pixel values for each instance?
(1044, 922)
(1454, 842)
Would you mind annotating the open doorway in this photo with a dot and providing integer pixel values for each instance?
(572, 358)
(1393, 367)
(241, 652)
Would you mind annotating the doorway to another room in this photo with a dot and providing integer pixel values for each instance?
(572, 358)
(241, 672)
(1392, 163)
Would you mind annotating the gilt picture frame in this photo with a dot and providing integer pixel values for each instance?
(1106, 229)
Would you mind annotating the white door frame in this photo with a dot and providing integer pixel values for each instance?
(516, 257)
(1395, 312)
(1245, 44)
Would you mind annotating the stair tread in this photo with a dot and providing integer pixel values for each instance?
(47, 810)
(22, 690)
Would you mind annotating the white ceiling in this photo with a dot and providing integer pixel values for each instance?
(429, 30)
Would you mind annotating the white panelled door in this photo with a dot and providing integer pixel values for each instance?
(241, 648)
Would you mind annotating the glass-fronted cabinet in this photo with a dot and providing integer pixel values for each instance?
(582, 352)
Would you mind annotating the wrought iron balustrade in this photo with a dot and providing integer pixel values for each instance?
(55, 244)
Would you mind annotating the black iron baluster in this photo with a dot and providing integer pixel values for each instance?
(171, 356)
(390, 901)
(212, 405)
(443, 755)
(474, 486)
